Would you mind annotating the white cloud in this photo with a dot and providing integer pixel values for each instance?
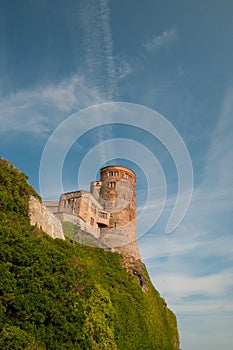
(180, 286)
(213, 199)
(40, 110)
(218, 173)
(125, 66)
(159, 41)
(206, 306)
(98, 45)
(160, 245)
(192, 268)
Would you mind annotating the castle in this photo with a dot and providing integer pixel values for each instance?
(108, 211)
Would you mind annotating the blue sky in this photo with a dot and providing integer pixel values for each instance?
(173, 57)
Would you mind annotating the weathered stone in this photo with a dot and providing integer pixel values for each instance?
(44, 219)
(118, 196)
(51, 205)
(108, 211)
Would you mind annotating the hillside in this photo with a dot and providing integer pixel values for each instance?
(57, 294)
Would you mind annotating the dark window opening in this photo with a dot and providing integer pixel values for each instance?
(102, 225)
(103, 215)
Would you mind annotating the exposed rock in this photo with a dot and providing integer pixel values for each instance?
(164, 303)
(137, 268)
(44, 219)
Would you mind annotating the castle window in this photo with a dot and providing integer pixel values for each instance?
(92, 221)
(110, 173)
(111, 184)
(126, 176)
(103, 215)
(115, 173)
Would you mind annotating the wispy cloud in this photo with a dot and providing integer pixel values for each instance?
(3, 56)
(98, 48)
(218, 172)
(40, 110)
(195, 262)
(162, 40)
(180, 285)
(206, 306)
(124, 68)
(98, 44)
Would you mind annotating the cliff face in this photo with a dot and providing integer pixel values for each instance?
(56, 294)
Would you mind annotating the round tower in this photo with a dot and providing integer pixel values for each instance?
(118, 197)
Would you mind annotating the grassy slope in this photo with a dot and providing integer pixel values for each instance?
(58, 295)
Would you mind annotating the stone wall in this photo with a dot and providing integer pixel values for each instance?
(44, 219)
(121, 239)
(51, 205)
(86, 207)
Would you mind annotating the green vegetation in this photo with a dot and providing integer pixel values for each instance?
(75, 234)
(57, 294)
(69, 229)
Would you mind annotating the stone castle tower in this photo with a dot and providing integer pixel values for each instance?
(116, 192)
(108, 211)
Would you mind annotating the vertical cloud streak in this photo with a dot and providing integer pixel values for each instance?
(98, 46)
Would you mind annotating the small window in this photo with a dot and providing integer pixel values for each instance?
(110, 173)
(111, 184)
(92, 221)
(126, 176)
(103, 215)
(115, 173)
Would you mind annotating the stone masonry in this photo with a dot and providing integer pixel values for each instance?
(43, 218)
(108, 211)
